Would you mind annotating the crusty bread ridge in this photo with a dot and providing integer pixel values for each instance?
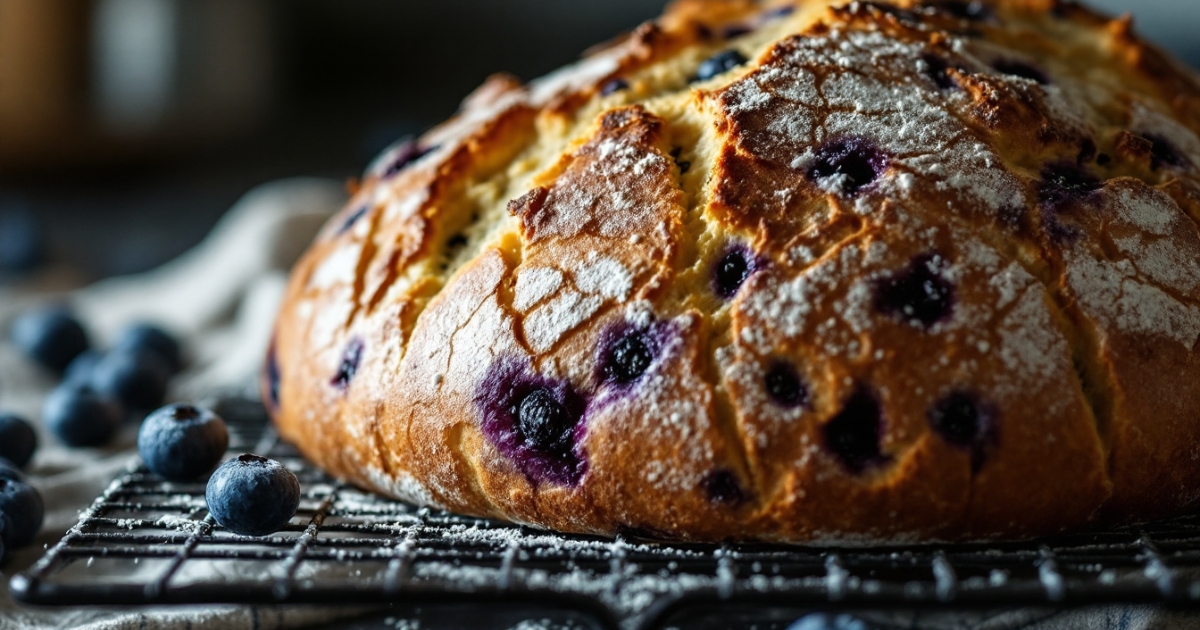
(811, 271)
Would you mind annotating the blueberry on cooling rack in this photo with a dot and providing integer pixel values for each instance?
(136, 378)
(148, 338)
(80, 416)
(18, 440)
(182, 442)
(252, 496)
(51, 336)
(22, 511)
(826, 621)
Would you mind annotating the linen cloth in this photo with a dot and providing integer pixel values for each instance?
(221, 299)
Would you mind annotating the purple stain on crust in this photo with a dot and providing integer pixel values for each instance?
(351, 358)
(1017, 68)
(721, 486)
(783, 385)
(847, 165)
(853, 435)
(535, 421)
(962, 420)
(614, 86)
(918, 294)
(732, 271)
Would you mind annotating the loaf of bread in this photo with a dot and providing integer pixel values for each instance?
(808, 271)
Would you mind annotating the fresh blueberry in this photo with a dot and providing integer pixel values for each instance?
(18, 440)
(252, 496)
(784, 387)
(51, 336)
(80, 370)
(627, 359)
(918, 294)
(9, 470)
(847, 165)
(137, 379)
(826, 621)
(148, 338)
(80, 416)
(719, 64)
(22, 242)
(544, 422)
(21, 506)
(182, 442)
(853, 434)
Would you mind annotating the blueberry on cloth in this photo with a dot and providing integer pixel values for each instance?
(80, 416)
(22, 510)
(137, 379)
(81, 368)
(252, 496)
(719, 64)
(9, 470)
(182, 442)
(148, 338)
(826, 621)
(51, 336)
(18, 440)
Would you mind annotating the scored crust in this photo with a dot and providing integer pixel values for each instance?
(890, 272)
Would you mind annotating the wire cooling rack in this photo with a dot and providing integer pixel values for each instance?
(146, 541)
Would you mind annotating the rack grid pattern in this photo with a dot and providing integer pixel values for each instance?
(146, 541)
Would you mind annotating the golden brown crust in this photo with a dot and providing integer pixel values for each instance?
(906, 271)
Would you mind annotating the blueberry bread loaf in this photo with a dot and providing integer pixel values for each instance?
(808, 271)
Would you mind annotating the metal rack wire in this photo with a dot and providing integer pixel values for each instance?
(148, 541)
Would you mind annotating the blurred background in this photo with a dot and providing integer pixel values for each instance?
(127, 127)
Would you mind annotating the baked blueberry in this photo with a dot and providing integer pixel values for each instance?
(348, 367)
(847, 165)
(397, 157)
(853, 434)
(784, 387)
(614, 86)
(719, 64)
(627, 358)
(974, 11)
(962, 420)
(827, 621)
(543, 422)
(22, 509)
(138, 379)
(79, 416)
(731, 272)
(148, 338)
(721, 486)
(81, 368)
(938, 69)
(353, 218)
(1065, 182)
(252, 496)
(182, 442)
(1016, 68)
(18, 440)
(1163, 152)
(918, 294)
(51, 336)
